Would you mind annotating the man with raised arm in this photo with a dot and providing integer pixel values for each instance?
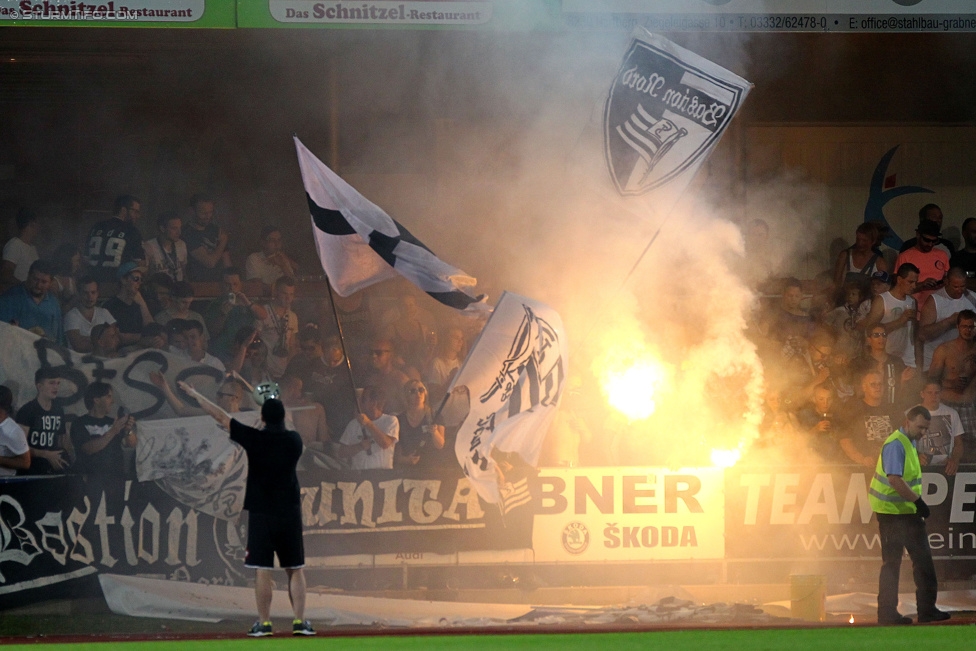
(272, 499)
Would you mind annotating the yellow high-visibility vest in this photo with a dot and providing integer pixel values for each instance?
(881, 495)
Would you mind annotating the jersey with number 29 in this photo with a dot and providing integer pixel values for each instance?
(110, 243)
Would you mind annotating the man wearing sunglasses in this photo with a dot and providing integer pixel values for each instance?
(932, 262)
(128, 306)
(933, 213)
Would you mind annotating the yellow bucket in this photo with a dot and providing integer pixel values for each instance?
(808, 597)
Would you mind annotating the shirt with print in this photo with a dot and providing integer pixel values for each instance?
(110, 243)
(868, 427)
(937, 442)
(45, 429)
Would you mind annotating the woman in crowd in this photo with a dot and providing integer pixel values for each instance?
(419, 436)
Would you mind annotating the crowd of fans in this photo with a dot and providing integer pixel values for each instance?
(362, 401)
(844, 357)
(847, 355)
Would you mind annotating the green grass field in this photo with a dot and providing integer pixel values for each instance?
(913, 638)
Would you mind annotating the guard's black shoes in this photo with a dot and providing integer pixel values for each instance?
(933, 616)
(894, 620)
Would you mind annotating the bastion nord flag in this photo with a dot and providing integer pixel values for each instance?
(514, 376)
(359, 244)
(666, 109)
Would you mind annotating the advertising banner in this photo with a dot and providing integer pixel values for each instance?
(629, 514)
(824, 514)
(119, 13)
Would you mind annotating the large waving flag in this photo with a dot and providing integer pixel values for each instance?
(514, 377)
(359, 244)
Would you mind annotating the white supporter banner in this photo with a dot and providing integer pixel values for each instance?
(194, 461)
(514, 376)
(629, 514)
(22, 353)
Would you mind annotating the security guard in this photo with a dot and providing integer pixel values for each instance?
(896, 496)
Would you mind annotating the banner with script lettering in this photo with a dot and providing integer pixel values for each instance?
(59, 531)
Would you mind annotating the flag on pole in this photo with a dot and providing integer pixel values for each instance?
(666, 110)
(359, 244)
(514, 377)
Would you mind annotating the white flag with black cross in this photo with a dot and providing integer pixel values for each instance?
(359, 244)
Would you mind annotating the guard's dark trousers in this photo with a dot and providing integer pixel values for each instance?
(898, 533)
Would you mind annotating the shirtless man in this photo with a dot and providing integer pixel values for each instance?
(954, 364)
(937, 323)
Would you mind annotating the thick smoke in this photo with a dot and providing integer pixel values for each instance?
(516, 212)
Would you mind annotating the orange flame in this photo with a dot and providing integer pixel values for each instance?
(726, 458)
(633, 391)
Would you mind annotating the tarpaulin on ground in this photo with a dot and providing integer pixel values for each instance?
(142, 597)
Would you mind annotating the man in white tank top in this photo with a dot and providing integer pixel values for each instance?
(896, 311)
(937, 322)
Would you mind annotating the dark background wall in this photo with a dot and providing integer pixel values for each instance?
(88, 113)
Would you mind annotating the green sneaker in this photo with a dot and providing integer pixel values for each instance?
(299, 627)
(260, 629)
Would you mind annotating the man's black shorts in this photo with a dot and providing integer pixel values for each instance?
(268, 535)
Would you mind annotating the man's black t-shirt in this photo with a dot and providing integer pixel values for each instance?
(272, 456)
(868, 427)
(44, 431)
(108, 460)
(110, 243)
(330, 386)
(127, 316)
(964, 259)
(197, 272)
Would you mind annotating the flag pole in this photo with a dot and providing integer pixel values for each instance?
(623, 283)
(342, 342)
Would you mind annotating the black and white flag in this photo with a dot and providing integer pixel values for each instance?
(359, 244)
(666, 109)
(514, 377)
